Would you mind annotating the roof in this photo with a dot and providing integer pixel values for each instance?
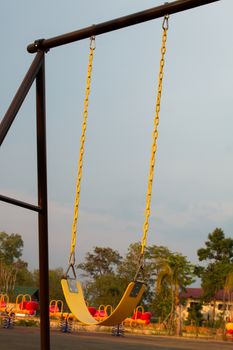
(192, 293)
(33, 291)
(197, 293)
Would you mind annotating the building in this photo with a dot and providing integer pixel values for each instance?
(223, 304)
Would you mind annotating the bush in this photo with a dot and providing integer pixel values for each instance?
(27, 323)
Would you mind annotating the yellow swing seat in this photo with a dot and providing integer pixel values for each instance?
(73, 293)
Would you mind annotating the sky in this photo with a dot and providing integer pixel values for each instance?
(193, 189)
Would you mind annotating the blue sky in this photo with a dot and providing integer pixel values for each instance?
(193, 191)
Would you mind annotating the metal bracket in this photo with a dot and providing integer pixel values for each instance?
(72, 285)
(136, 289)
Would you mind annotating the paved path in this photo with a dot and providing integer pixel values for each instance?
(28, 339)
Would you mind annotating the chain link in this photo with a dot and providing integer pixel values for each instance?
(81, 153)
(154, 137)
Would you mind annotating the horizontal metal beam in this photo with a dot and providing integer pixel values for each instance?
(20, 203)
(20, 96)
(118, 23)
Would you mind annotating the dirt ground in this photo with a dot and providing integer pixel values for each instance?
(23, 338)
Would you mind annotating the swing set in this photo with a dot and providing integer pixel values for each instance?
(72, 288)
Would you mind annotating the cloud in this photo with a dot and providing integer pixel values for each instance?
(94, 229)
(183, 228)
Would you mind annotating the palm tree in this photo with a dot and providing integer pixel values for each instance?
(164, 283)
(174, 274)
(228, 289)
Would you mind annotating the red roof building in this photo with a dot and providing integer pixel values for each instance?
(223, 303)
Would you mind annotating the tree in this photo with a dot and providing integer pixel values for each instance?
(228, 285)
(158, 270)
(195, 314)
(103, 285)
(170, 272)
(13, 270)
(7, 278)
(174, 274)
(106, 289)
(218, 254)
(130, 264)
(228, 293)
(11, 247)
(24, 277)
(102, 261)
(109, 275)
(55, 289)
(218, 248)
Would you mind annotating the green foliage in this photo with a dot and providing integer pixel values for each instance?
(27, 323)
(7, 278)
(195, 315)
(105, 289)
(218, 248)
(161, 304)
(218, 253)
(108, 277)
(55, 289)
(24, 277)
(11, 246)
(228, 285)
(13, 270)
(129, 264)
(182, 270)
(213, 279)
(173, 272)
(104, 285)
(102, 261)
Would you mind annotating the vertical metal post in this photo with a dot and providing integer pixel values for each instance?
(43, 204)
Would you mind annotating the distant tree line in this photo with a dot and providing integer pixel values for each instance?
(14, 271)
(106, 274)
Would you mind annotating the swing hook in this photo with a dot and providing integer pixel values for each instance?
(165, 22)
(92, 42)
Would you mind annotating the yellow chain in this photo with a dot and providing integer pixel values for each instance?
(154, 136)
(153, 151)
(81, 153)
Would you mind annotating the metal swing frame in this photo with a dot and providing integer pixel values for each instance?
(36, 73)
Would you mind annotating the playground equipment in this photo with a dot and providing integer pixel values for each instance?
(229, 329)
(139, 318)
(102, 312)
(8, 318)
(66, 323)
(6, 315)
(37, 72)
(72, 288)
(4, 301)
(65, 319)
(118, 330)
(56, 308)
(25, 306)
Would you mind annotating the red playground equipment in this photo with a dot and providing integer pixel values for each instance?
(25, 305)
(4, 300)
(139, 317)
